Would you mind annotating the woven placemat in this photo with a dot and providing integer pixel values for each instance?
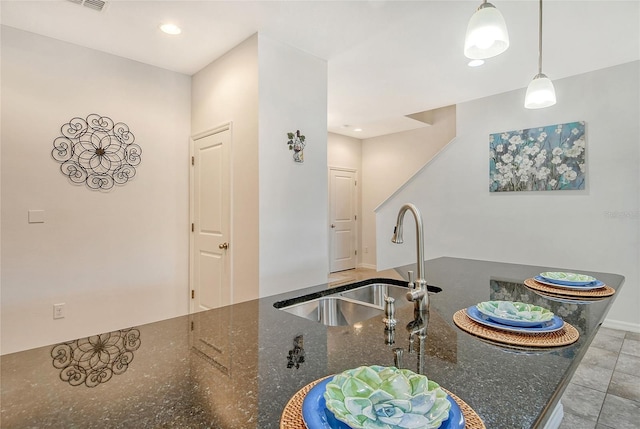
(565, 336)
(292, 414)
(602, 292)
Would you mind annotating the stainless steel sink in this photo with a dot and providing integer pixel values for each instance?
(335, 310)
(375, 293)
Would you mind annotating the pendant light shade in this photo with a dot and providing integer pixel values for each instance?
(487, 34)
(540, 92)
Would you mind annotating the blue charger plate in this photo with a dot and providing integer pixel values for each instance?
(589, 286)
(512, 322)
(316, 415)
(552, 325)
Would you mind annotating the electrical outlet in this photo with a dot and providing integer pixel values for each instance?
(366, 250)
(58, 311)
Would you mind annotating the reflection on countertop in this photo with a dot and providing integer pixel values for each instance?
(237, 366)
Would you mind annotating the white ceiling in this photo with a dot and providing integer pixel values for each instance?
(386, 59)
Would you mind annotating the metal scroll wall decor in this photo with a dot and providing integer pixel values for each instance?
(94, 360)
(296, 144)
(96, 151)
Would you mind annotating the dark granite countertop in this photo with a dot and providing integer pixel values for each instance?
(230, 367)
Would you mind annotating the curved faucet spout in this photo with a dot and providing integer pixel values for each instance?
(397, 236)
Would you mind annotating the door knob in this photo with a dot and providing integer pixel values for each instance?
(333, 226)
(223, 246)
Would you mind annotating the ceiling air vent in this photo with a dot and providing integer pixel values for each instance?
(91, 4)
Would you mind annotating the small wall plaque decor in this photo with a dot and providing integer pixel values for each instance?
(538, 159)
(94, 360)
(296, 144)
(96, 151)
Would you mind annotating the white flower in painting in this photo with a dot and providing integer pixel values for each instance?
(526, 150)
(507, 158)
(504, 136)
(542, 173)
(492, 154)
(581, 167)
(542, 137)
(499, 148)
(559, 129)
(562, 168)
(556, 160)
(556, 151)
(574, 152)
(541, 158)
(508, 175)
(575, 131)
(570, 175)
(518, 159)
(580, 142)
(553, 182)
(491, 138)
(516, 139)
(512, 147)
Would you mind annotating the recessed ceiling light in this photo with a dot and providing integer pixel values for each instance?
(170, 29)
(475, 63)
(357, 130)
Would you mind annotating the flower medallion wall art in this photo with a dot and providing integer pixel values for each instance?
(97, 152)
(538, 159)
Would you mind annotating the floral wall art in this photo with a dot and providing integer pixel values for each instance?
(538, 159)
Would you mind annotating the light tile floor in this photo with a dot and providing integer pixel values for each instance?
(604, 392)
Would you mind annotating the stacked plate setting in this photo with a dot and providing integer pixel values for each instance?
(571, 281)
(382, 398)
(515, 317)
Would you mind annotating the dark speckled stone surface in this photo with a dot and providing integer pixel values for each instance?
(227, 368)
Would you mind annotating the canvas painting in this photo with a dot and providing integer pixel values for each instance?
(538, 159)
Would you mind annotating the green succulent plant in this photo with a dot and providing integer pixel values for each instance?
(516, 311)
(377, 397)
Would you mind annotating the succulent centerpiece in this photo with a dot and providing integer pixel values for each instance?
(377, 397)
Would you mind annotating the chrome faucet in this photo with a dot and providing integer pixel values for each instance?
(419, 294)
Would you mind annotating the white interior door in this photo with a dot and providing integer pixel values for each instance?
(342, 207)
(211, 213)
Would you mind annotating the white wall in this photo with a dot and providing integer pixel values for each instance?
(227, 91)
(389, 161)
(596, 229)
(293, 196)
(117, 258)
(346, 152)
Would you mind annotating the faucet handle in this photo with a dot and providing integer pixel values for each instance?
(410, 275)
(389, 311)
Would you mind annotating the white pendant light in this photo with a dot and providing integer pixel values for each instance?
(540, 92)
(487, 34)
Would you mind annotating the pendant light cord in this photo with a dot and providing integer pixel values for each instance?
(540, 41)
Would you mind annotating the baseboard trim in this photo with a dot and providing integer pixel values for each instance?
(369, 266)
(556, 417)
(621, 326)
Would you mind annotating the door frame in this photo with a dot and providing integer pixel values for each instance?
(356, 207)
(218, 129)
